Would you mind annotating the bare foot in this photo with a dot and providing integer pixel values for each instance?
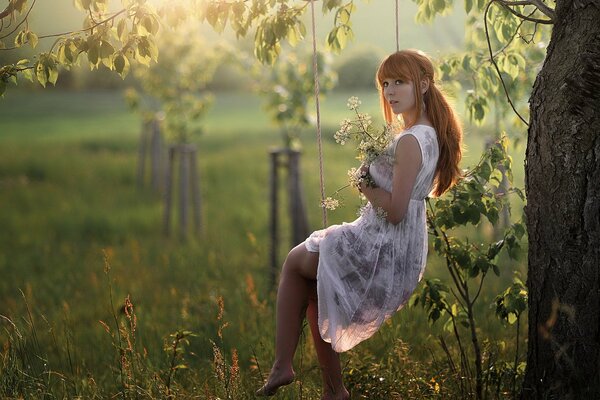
(276, 379)
(339, 395)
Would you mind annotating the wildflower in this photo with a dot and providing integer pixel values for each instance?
(371, 144)
(380, 213)
(218, 363)
(363, 209)
(343, 134)
(330, 203)
(354, 177)
(365, 119)
(353, 103)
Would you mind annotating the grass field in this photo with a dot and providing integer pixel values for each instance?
(77, 234)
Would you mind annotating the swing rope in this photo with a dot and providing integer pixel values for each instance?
(397, 29)
(316, 74)
(318, 108)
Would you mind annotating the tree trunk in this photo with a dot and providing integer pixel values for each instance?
(563, 211)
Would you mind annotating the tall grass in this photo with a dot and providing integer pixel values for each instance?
(172, 319)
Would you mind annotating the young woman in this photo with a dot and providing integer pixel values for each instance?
(350, 278)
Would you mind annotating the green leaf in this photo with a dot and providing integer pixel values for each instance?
(496, 178)
(41, 73)
(434, 315)
(2, 88)
(494, 249)
(519, 230)
(13, 79)
(93, 53)
(82, 5)
(468, 6)
(52, 68)
(439, 6)
(474, 214)
(106, 49)
(28, 74)
(485, 171)
(496, 269)
(150, 25)
(60, 54)
(342, 36)
(466, 63)
(121, 65)
(122, 30)
(20, 38)
(332, 40)
(32, 38)
(492, 215)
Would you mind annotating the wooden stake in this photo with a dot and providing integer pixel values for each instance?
(168, 195)
(274, 186)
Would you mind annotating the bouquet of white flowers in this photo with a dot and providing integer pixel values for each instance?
(370, 144)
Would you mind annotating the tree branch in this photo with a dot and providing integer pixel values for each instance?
(74, 32)
(511, 39)
(20, 23)
(6, 12)
(487, 36)
(544, 9)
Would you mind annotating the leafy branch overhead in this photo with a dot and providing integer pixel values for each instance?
(276, 21)
(505, 40)
(113, 39)
(494, 67)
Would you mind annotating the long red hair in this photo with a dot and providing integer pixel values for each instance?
(415, 66)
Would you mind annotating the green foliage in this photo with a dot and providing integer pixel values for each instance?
(341, 33)
(479, 195)
(176, 86)
(288, 88)
(428, 9)
(356, 70)
(112, 39)
(275, 21)
(517, 47)
(512, 302)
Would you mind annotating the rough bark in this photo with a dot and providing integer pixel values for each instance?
(563, 211)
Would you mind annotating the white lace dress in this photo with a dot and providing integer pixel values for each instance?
(369, 268)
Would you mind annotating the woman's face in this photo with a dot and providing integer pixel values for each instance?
(399, 94)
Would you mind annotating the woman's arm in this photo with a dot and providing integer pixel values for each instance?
(406, 167)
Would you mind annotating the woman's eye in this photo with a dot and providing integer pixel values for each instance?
(398, 82)
(385, 84)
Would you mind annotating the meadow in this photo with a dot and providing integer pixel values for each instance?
(95, 302)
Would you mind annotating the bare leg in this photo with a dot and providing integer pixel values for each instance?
(299, 269)
(329, 360)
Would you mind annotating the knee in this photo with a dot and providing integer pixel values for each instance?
(292, 261)
(301, 262)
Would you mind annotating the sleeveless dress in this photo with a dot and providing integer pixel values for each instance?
(369, 268)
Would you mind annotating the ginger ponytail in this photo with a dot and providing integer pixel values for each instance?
(449, 134)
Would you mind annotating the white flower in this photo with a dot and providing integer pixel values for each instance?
(380, 213)
(330, 203)
(353, 103)
(365, 119)
(343, 134)
(354, 177)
